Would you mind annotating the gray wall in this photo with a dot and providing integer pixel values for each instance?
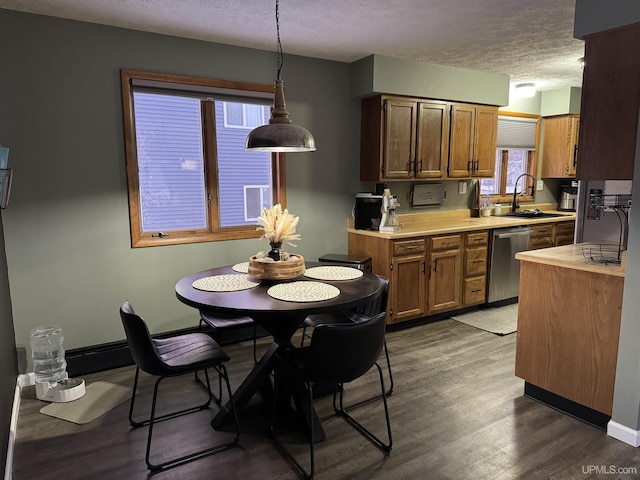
(67, 226)
(594, 16)
(8, 363)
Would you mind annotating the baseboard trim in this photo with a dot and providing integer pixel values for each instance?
(8, 468)
(623, 433)
(569, 407)
(26, 379)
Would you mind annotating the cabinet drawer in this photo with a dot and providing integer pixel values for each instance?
(564, 240)
(474, 290)
(475, 261)
(541, 231)
(565, 228)
(407, 247)
(476, 239)
(446, 242)
(543, 242)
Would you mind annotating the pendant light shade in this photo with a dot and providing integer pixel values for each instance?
(280, 135)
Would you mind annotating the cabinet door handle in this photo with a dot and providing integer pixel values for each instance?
(412, 165)
(435, 265)
(476, 291)
(470, 165)
(411, 247)
(476, 166)
(575, 155)
(419, 167)
(424, 268)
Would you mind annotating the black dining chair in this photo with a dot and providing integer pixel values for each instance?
(219, 323)
(373, 307)
(172, 357)
(337, 354)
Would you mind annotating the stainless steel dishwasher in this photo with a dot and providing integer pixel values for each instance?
(504, 269)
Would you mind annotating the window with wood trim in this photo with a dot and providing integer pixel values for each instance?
(516, 153)
(189, 175)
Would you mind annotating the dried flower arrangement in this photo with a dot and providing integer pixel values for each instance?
(278, 225)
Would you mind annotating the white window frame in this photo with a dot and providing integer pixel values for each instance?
(263, 189)
(244, 125)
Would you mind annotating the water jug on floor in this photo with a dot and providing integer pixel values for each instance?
(50, 367)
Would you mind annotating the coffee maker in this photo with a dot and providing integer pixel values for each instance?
(568, 197)
(389, 222)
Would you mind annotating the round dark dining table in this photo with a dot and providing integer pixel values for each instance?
(279, 318)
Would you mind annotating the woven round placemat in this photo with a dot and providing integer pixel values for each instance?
(303, 291)
(225, 283)
(333, 273)
(242, 267)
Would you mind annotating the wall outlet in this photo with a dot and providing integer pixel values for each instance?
(539, 185)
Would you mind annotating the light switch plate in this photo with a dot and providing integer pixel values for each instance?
(539, 185)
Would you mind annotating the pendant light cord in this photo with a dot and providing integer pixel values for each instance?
(279, 55)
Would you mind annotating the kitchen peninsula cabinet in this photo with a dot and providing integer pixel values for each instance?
(569, 314)
(403, 138)
(444, 273)
(474, 134)
(560, 146)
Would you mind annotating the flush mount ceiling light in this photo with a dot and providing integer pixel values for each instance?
(280, 135)
(525, 90)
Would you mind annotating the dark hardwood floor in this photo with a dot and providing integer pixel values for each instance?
(457, 412)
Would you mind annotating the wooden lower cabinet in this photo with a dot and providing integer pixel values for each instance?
(444, 281)
(407, 288)
(564, 234)
(474, 282)
(541, 236)
(551, 235)
(567, 343)
(445, 272)
(428, 275)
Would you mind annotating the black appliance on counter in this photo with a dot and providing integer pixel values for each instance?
(367, 211)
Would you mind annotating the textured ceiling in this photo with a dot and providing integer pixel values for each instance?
(529, 40)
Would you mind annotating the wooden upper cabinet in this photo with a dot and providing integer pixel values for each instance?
(403, 138)
(474, 134)
(560, 146)
(610, 104)
(486, 140)
(462, 139)
(432, 149)
(399, 139)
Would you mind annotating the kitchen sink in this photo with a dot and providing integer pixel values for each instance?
(533, 214)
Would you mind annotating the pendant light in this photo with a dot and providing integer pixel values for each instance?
(280, 135)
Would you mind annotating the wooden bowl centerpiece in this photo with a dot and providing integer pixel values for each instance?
(279, 227)
(280, 270)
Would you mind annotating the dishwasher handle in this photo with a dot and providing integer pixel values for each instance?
(513, 234)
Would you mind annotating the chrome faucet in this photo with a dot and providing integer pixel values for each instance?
(514, 205)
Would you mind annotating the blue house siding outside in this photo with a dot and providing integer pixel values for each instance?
(171, 166)
(237, 168)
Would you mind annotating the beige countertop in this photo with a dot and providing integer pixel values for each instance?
(454, 221)
(572, 256)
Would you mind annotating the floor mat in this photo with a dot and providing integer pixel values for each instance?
(498, 320)
(100, 397)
